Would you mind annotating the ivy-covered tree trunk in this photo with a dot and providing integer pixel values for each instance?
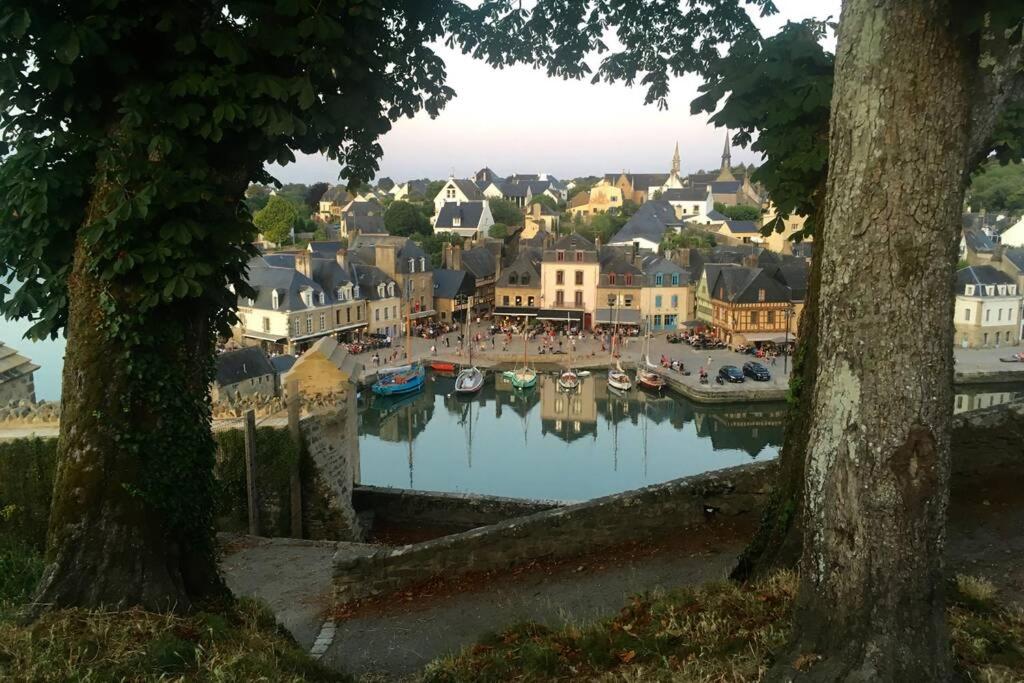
(131, 519)
(871, 602)
(779, 539)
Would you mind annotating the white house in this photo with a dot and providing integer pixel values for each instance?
(465, 219)
(987, 309)
(1013, 236)
(456, 190)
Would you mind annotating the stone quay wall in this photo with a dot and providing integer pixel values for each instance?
(404, 507)
(330, 444)
(654, 511)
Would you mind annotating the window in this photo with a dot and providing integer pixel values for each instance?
(675, 279)
(657, 321)
(391, 289)
(967, 314)
(340, 294)
(323, 322)
(275, 300)
(988, 314)
(322, 298)
(675, 301)
(559, 277)
(560, 256)
(525, 279)
(355, 292)
(629, 279)
(386, 311)
(969, 290)
(611, 278)
(579, 298)
(627, 300)
(658, 279)
(530, 302)
(579, 256)
(1000, 314)
(760, 295)
(307, 297)
(450, 193)
(753, 317)
(611, 299)
(579, 277)
(504, 301)
(394, 311)
(423, 264)
(348, 315)
(266, 324)
(985, 339)
(657, 301)
(513, 279)
(519, 301)
(295, 327)
(309, 324)
(412, 265)
(559, 297)
(337, 317)
(770, 317)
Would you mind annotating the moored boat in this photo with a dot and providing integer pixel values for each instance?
(648, 379)
(442, 366)
(521, 378)
(617, 379)
(404, 382)
(469, 381)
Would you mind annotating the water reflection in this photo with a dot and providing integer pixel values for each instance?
(547, 444)
(978, 397)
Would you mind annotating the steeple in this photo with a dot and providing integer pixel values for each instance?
(675, 161)
(725, 174)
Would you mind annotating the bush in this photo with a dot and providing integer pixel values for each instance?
(275, 456)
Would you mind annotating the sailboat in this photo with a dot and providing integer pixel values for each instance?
(646, 376)
(470, 379)
(405, 379)
(617, 377)
(522, 377)
(568, 379)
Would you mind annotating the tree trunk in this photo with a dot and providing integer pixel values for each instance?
(871, 602)
(131, 518)
(779, 538)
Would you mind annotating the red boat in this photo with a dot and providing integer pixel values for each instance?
(648, 379)
(442, 366)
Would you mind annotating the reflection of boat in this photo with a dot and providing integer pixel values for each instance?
(522, 377)
(470, 379)
(568, 381)
(408, 378)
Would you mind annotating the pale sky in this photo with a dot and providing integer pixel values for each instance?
(520, 121)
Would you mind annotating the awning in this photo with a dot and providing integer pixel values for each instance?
(621, 316)
(422, 314)
(521, 311)
(694, 324)
(264, 336)
(556, 314)
(773, 337)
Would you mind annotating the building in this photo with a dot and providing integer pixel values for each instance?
(539, 218)
(517, 290)
(470, 219)
(452, 292)
(1011, 262)
(405, 262)
(976, 246)
(601, 198)
(521, 191)
(483, 262)
(456, 190)
(690, 203)
(739, 232)
(297, 299)
(383, 303)
(17, 376)
(782, 242)
(362, 217)
(988, 307)
(411, 189)
(1013, 236)
(646, 228)
(748, 305)
(331, 204)
(618, 287)
(326, 368)
(569, 416)
(569, 276)
(244, 372)
(666, 297)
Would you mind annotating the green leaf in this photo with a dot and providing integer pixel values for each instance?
(68, 51)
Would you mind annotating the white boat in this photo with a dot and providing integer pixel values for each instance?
(522, 377)
(471, 379)
(569, 381)
(617, 379)
(646, 375)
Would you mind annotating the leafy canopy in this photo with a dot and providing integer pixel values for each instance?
(505, 211)
(498, 231)
(276, 220)
(404, 219)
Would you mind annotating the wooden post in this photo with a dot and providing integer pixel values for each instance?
(250, 472)
(292, 397)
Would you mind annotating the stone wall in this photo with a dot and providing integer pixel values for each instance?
(331, 445)
(404, 507)
(655, 511)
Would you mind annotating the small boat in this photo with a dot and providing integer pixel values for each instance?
(401, 383)
(568, 381)
(648, 379)
(442, 366)
(384, 372)
(617, 379)
(469, 381)
(521, 378)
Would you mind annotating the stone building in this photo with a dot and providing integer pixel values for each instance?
(666, 297)
(569, 276)
(518, 287)
(244, 372)
(326, 368)
(618, 288)
(987, 310)
(407, 264)
(17, 382)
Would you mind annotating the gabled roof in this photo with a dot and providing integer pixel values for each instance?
(743, 227)
(528, 262)
(367, 208)
(467, 187)
(480, 261)
(371, 225)
(640, 181)
(469, 214)
(574, 242)
(289, 284)
(368, 278)
(743, 285)
(717, 215)
(980, 276)
(652, 264)
(726, 186)
(418, 186)
(1016, 257)
(337, 354)
(364, 250)
(613, 260)
(449, 284)
(684, 194)
(792, 274)
(324, 249)
(978, 241)
(237, 366)
(649, 223)
(14, 365)
(282, 363)
(336, 195)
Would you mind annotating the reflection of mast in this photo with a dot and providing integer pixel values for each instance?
(408, 433)
(645, 438)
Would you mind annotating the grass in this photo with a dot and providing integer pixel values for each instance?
(236, 642)
(718, 632)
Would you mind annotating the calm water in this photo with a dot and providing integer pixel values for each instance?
(545, 444)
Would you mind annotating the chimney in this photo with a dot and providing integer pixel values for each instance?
(456, 257)
(303, 263)
(997, 253)
(535, 210)
(341, 256)
(597, 243)
(384, 258)
(750, 261)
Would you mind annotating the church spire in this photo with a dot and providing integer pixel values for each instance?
(675, 161)
(725, 174)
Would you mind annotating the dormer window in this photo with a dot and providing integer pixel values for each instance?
(525, 279)
(1012, 290)
(969, 290)
(629, 279)
(275, 300)
(340, 293)
(760, 295)
(423, 264)
(355, 292)
(990, 290)
(1002, 290)
(560, 256)
(307, 297)
(380, 290)
(456, 221)
(322, 298)
(659, 279)
(611, 278)
(391, 289)
(450, 193)
(412, 265)
(579, 256)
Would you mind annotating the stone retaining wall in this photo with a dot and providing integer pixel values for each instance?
(654, 511)
(436, 509)
(332, 451)
(1014, 374)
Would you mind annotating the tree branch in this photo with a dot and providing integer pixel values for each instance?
(1000, 84)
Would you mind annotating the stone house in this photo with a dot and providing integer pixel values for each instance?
(517, 290)
(601, 198)
(362, 217)
(325, 368)
(405, 262)
(618, 288)
(383, 300)
(17, 381)
(538, 219)
(452, 292)
(244, 372)
(569, 275)
(987, 310)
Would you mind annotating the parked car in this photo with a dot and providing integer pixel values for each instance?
(756, 371)
(730, 373)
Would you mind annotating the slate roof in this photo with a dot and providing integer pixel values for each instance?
(978, 241)
(14, 365)
(371, 225)
(367, 208)
(652, 264)
(743, 227)
(528, 262)
(243, 364)
(574, 242)
(649, 222)
(468, 188)
(469, 214)
(684, 194)
(794, 275)
(336, 353)
(521, 188)
(726, 186)
(992, 221)
(1016, 257)
(417, 187)
(324, 249)
(265, 278)
(282, 363)
(480, 261)
(640, 181)
(363, 249)
(614, 260)
(337, 195)
(717, 216)
(981, 275)
(368, 277)
(450, 283)
(742, 285)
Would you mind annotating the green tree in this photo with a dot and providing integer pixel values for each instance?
(304, 225)
(687, 238)
(998, 188)
(276, 220)
(740, 212)
(506, 212)
(434, 245)
(545, 200)
(314, 193)
(256, 197)
(296, 193)
(433, 188)
(498, 231)
(404, 219)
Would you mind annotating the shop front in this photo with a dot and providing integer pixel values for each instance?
(565, 317)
